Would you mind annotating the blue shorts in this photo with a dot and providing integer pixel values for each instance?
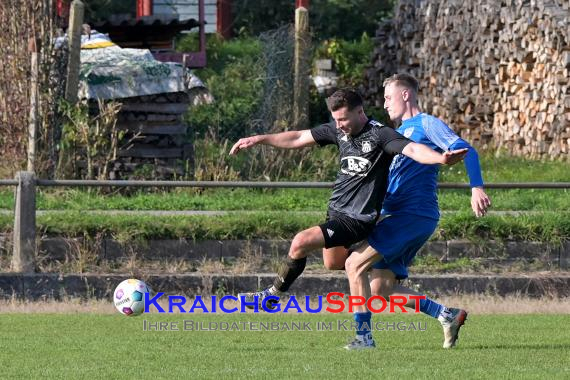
(398, 238)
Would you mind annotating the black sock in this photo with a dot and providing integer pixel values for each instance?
(288, 273)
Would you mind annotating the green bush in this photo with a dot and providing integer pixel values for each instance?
(233, 77)
(350, 58)
(220, 53)
(357, 16)
(102, 9)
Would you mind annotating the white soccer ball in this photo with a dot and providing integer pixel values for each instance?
(129, 297)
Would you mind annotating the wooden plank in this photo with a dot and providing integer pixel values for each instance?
(168, 108)
(138, 151)
(149, 128)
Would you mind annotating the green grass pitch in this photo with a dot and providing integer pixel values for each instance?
(111, 346)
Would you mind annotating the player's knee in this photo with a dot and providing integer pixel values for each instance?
(382, 285)
(299, 246)
(352, 269)
(376, 288)
(333, 264)
(380, 288)
(297, 255)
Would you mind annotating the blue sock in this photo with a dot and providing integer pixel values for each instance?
(430, 307)
(363, 322)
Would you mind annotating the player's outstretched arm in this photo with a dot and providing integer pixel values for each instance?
(480, 201)
(286, 140)
(425, 155)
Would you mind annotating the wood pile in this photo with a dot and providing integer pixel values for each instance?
(496, 71)
(156, 142)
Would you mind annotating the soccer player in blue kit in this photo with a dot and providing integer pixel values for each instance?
(366, 150)
(409, 215)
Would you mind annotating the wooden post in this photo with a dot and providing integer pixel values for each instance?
(74, 37)
(33, 117)
(144, 8)
(202, 31)
(147, 7)
(302, 70)
(224, 18)
(24, 251)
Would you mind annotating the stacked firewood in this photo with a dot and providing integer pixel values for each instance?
(155, 143)
(496, 71)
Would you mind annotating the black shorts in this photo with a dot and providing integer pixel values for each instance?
(343, 231)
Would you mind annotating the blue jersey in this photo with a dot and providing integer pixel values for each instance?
(412, 187)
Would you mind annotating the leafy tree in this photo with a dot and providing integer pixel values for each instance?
(343, 19)
(103, 9)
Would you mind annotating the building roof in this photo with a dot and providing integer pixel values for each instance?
(155, 21)
(156, 33)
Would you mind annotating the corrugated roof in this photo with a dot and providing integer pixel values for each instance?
(147, 21)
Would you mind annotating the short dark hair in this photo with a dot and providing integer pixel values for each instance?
(345, 97)
(405, 80)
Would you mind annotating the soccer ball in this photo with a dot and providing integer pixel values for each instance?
(129, 297)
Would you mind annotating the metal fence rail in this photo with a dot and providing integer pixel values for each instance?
(267, 185)
(24, 244)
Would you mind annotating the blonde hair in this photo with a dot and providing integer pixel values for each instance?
(406, 80)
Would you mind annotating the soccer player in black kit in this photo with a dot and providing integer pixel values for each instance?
(366, 150)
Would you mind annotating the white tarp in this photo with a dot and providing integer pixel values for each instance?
(113, 72)
(110, 72)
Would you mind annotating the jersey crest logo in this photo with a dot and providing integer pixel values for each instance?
(330, 232)
(366, 147)
(408, 132)
(397, 162)
(353, 165)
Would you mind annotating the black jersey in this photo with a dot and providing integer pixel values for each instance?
(365, 159)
